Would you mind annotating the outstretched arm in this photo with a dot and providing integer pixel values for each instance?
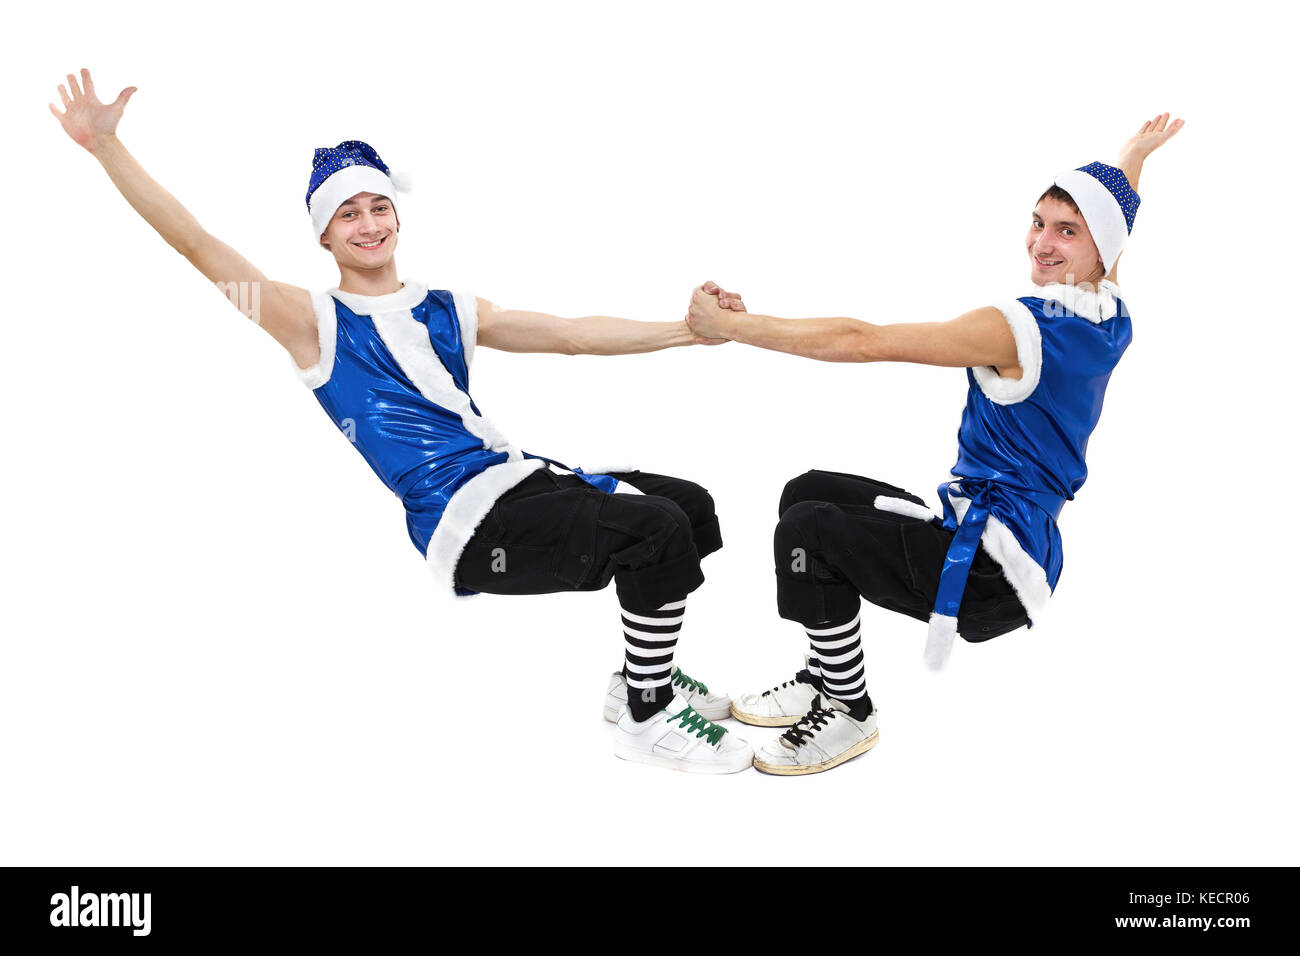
(978, 338)
(1153, 134)
(516, 330)
(281, 309)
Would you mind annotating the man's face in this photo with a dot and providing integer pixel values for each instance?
(1060, 246)
(363, 232)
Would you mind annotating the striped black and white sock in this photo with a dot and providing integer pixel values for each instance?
(649, 639)
(837, 659)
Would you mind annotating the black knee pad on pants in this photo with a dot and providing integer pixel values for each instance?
(692, 498)
(654, 560)
(809, 589)
(796, 490)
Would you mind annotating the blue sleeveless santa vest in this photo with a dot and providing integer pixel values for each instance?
(1022, 445)
(394, 377)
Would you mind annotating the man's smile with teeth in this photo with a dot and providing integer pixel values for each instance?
(372, 244)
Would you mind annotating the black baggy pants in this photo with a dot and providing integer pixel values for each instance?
(555, 532)
(833, 545)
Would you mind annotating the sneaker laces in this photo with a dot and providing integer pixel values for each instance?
(809, 723)
(689, 683)
(693, 722)
(803, 677)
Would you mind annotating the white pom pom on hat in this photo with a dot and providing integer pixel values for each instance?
(401, 179)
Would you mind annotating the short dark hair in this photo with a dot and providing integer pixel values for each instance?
(1060, 195)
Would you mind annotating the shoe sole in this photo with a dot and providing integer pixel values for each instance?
(790, 770)
(714, 713)
(754, 720)
(654, 760)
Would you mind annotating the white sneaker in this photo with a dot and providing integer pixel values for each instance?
(823, 738)
(708, 704)
(779, 707)
(680, 739)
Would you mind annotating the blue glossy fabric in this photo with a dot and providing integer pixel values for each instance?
(1021, 462)
(421, 451)
(406, 439)
(606, 483)
(961, 553)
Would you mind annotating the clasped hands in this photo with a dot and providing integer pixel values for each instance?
(710, 313)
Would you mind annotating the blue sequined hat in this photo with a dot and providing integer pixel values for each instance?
(1116, 184)
(340, 172)
(1108, 205)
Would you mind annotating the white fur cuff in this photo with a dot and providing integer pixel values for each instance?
(467, 312)
(938, 642)
(901, 506)
(327, 334)
(1029, 353)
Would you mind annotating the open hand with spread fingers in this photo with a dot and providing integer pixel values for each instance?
(1153, 134)
(88, 121)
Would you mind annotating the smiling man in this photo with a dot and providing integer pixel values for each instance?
(1037, 368)
(389, 362)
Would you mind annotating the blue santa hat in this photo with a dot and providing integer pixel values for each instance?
(1107, 203)
(340, 172)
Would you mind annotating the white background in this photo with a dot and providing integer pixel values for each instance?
(219, 645)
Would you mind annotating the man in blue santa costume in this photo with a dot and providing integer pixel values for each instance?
(1037, 368)
(389, 362)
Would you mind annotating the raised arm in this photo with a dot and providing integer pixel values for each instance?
(978, 338)
(281, 309)
(1153, 134)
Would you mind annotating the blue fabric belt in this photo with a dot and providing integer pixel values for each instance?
(961, 553)
(604, 483)
(956, 565)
